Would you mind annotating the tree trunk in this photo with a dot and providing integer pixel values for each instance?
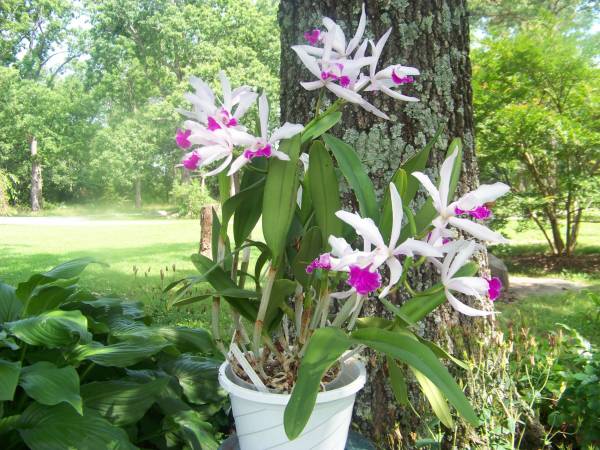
(206, 218)
(432, 35)
(138, 193)
(36, 177)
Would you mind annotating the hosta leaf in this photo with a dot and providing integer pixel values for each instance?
(324, 191)
(356, 175)
(9, 379)
(51, 329)
(50, 385)
(187, 339)
(279, 200)
(10, 305)
(324, 348)
(197, 376)
(60, 427)
(408, 350)
(195, 431)
(46, 298)
(121, 354)
(122, 402)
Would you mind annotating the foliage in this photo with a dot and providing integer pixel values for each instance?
(536, 97)
(190, 197)
(83, 371)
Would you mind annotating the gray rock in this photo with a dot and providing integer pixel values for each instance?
(499, 269)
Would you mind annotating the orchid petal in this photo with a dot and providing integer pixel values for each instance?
(395, 274)
(445, 177)
(344, 93)
(464, 309)
(312, 85)
(237, 164)
(360, 30)
(221, 168)
(411, 246)
(464, 251)
(372, 108)
(478, 231)
(244, 104)
(397, 215)
(364, 227)
(280, 155)
(286, 131)
(309, 61)
(397, 95)
(483, 194)
(263, 113)
(475, 286)
(429, 187)
(226, 88)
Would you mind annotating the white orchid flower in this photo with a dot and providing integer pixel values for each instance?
(338, 39)
(458, 255)
(390, 77)
(212, 114)
(471, 203)
(383, 253)
(263, 146)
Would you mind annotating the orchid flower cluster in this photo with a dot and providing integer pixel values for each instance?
(310, 279)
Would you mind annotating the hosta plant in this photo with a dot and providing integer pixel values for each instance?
(88, 372)
(297, 308)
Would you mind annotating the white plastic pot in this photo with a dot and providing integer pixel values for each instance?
(259, 416)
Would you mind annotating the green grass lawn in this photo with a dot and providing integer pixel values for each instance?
(148, 245)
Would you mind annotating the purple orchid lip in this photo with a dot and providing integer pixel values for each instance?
(313, 36)
(494, 288)
(363, 280)
(262, 151)
(212, 124)
(191, 162)
(481, 212)
(402, 80)
(182, 138)
(322, 262)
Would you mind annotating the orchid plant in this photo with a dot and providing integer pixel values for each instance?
(319, 264)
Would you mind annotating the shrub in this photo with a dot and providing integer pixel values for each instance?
(190, 197)
(87, 372)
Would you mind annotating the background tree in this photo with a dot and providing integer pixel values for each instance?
(434, 37)
(536, 103)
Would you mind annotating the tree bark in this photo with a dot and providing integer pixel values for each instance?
(432, 35)
(138, 193)
(36, 177)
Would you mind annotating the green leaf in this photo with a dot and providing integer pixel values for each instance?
(60, 427)
(70, 269)
(310, 248)
(324, 191)
(356, 175)
(281, 290)
(196, 432)
(121, 354)
(417, 163)
(197, 376)
(408, 350)
(50, 385)
(221, 282)
(51, 329)
(46, 298)
(324, 348)
(397, 381)
(182, 301)
(122, 402)
(10, 305)
(320, 126)
(419, 306)
(9, 379)
(435, 398)
(196, 340)
(441, 353)
(279, 200)
(248, 213)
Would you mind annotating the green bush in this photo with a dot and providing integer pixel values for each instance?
(87, 372)
(190, 197)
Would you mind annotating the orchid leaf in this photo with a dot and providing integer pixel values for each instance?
(324, 348)
(310, 247)
(397, 381)
(320, 126)
(409, 350)
(279, 200)
(436, 399)
(357, 177)
(324, 191)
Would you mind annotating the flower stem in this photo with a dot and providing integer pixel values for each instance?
(262, 310)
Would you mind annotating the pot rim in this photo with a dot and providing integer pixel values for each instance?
(282, 399)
